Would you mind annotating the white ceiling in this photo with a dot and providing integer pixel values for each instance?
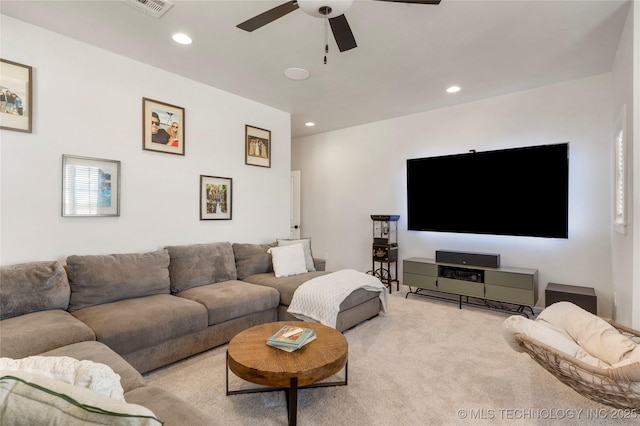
(407, 54)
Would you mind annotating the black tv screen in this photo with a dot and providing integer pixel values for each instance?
(520, 191)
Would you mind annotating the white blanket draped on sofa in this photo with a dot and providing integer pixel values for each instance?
(319, 299)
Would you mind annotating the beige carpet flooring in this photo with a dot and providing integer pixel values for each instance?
(424, 362)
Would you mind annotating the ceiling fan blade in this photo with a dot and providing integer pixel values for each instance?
(415, 1)
(268, 16)
(342, 33)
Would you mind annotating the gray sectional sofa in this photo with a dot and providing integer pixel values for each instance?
(137, 312)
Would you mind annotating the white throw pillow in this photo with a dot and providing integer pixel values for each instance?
(86, 374)
(306, 244)
(288, 260)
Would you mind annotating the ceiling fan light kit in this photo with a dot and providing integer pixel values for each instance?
(325, 8)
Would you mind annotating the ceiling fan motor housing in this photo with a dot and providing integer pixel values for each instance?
(324, 8)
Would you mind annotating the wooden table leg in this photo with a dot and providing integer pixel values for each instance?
(292, 401)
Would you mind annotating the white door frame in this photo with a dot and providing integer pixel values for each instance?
(294, 214)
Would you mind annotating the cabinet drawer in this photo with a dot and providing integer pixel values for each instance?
(420, 281)
(465, 288)
(420, 268)
(509, 279)
(510, 295)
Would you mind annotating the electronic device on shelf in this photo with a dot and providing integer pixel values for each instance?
(461, 274)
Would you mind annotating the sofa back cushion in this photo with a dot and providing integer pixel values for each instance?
(96, 280)
(32, 287)
(200, 264)
(252, 259)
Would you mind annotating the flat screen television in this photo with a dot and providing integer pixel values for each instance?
(519, 191)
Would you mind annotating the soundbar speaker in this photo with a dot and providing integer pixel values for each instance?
(489, 260)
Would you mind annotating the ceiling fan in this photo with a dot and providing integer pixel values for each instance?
(333, 10)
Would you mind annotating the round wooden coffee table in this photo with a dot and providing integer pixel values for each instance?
(251, 359)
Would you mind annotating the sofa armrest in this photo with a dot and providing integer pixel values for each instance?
(320, 264)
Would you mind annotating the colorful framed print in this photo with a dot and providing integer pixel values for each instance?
(215, 198)
(257, 145)
(16, 102)
(163, 127)
(90, 186)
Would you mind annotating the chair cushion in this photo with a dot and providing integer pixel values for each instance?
(32, 287)
(592, 333)
(548, 335)
(97, 279)
(200, 264)
(252, 259)
(232, 299)
(133, 324)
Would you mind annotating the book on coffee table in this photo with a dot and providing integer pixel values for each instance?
(290, 338)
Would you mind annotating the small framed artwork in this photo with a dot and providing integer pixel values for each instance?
(162, 127)
(16, 107)
(90, 186)
(215, 198)
(257, 145)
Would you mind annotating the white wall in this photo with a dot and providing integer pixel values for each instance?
(88, 102)
(348, 175)
(636, 163)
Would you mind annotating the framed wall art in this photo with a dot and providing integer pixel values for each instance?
(215, 198)
(257, 145)
(16, 106)
(163, 128)
(90, 186)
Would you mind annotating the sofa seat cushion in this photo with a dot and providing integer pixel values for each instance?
(200, 264)
(32, 287)
(232, 299)
(130, 378)
(37, 332)
(133, 324)
(285, 285)
(169, 408)
(32, 399)
(95, 280)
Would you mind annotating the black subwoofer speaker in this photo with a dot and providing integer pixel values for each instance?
(489, 260)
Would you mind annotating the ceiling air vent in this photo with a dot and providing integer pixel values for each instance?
(155, 8)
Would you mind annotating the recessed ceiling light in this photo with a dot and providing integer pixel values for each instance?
(453, 89)
(181, 38)
(296, 73)
(309, 124)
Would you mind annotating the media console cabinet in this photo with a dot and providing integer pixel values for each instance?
(515, 286)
